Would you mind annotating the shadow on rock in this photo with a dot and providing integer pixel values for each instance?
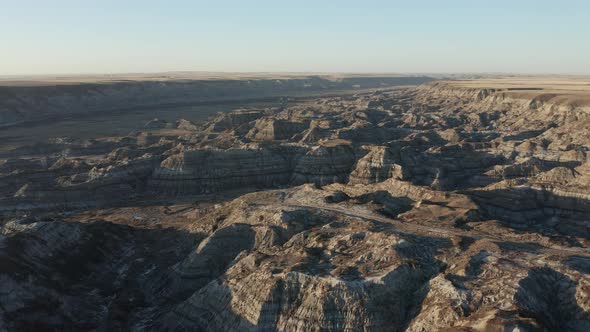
(549, 297)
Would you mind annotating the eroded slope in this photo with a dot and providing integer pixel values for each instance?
(447, 206)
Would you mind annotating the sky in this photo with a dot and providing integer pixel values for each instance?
(363, 36)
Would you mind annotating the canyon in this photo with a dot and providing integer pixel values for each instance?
(396, 204)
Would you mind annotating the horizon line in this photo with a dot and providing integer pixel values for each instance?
(300, 73)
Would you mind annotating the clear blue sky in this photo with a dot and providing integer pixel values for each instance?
(110, 36)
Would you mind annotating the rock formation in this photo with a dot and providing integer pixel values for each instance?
(454, 205)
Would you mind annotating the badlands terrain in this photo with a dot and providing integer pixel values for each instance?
(306, 204)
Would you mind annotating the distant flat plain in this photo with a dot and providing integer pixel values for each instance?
(573, 90)
(562, 89)
(121, 123)
(108, 124)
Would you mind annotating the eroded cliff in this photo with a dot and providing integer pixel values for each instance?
(451, 206)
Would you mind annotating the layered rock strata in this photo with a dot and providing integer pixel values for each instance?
(451, 206)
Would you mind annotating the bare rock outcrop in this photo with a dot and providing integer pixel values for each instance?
(205, 171)
(324, 164)
(457, 205)
(268, 129)
(376, 166)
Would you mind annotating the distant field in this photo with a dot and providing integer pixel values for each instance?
(562, 89)
(50, 99)
(44, 80)
(107, 124)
